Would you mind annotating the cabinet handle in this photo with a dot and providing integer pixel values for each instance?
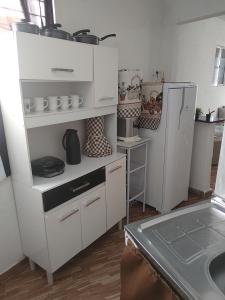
(62, 70)
(71, 213)
(74, 190)
(106, 98)
(93, 201)
(115, 169)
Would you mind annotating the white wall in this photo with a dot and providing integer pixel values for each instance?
(176, 11)
(137, 24)
(10, 247)
(196, 44)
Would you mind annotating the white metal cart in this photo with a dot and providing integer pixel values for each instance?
(137, 157)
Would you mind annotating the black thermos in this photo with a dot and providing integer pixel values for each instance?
(71, 144)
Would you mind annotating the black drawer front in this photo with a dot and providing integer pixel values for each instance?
(74, 188)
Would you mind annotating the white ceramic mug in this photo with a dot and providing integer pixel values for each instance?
(40, 104)
(54, 103)
(28, 105)
(76, 101)
(66, 102)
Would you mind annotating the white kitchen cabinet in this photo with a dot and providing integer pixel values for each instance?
(43, 58)
(105, 76)
(63, 229)
(115, 192)
(93, 216)
(38, 66)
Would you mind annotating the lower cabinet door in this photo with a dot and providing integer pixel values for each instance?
(115, 192)
(63, 228)
(93, 215)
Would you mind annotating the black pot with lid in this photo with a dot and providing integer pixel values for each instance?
(52, 30)
(25, 26)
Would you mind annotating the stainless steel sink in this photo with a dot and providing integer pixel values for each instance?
(217, 271)
(188, 247)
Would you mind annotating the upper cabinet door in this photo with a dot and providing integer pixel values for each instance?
(44, 58)
(105, 76)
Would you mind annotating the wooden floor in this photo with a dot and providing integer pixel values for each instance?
(94, 274)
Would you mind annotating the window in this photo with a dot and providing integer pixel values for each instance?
(11, 11)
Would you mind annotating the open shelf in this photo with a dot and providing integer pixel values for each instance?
(136, 166)
(87, 165)
(135, 194)
(51, 118)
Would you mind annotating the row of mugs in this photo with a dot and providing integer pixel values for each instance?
(52, 103)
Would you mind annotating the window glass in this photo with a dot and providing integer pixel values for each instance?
(11, 11)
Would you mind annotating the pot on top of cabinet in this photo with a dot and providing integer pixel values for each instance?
(53, 31)
(25, 26)
(83, 36)
(71, 144)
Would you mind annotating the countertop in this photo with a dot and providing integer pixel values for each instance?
(87, 165)
(213, 120)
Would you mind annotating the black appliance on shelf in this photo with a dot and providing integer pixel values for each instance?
(47, 166)
(71, 144)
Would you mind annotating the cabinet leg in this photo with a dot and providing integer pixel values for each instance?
(120, 225)
(49, 278)
(32, 264)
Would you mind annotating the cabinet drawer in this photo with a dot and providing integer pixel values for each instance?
(115, 192)
(93, 215)
(105, 76)
(69, 190)
(44, 58)
(63, 228)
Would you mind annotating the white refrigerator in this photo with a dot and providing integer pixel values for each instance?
(170, 148)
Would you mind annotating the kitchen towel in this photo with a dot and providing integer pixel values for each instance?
(152, 102)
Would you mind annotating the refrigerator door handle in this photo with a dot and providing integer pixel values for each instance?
(182, 107)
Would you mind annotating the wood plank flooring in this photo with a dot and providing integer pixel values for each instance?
(94, 274)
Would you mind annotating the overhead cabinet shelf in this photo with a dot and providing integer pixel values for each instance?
(58, 117)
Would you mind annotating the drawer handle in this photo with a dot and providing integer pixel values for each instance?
(106, 98)
(74, 190)
(62, 70)
(93, 201)
(71, 213)
(115, 169)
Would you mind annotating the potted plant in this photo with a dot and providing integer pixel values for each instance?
(198, 113)
(209, 115)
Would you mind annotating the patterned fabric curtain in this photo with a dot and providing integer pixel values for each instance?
(11, 11)
(4, 160)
